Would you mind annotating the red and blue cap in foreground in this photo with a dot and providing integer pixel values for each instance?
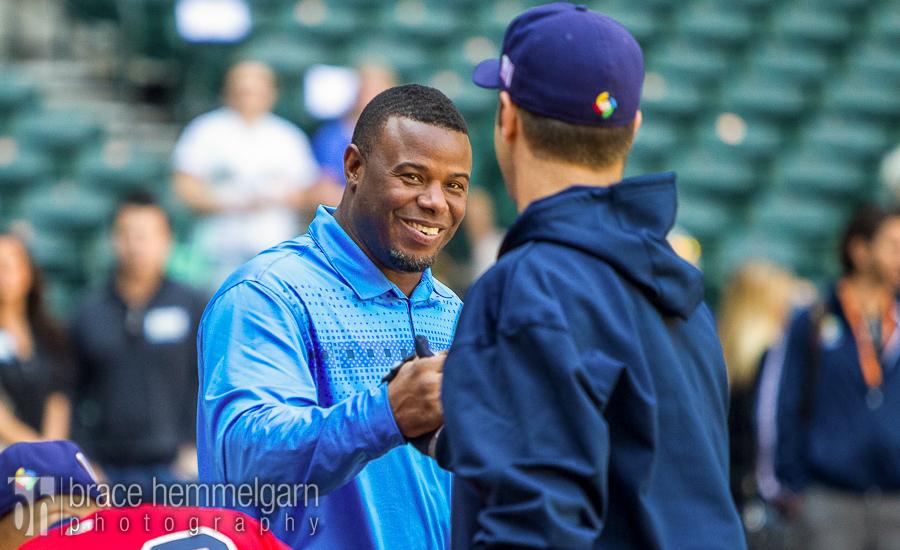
(568, 63)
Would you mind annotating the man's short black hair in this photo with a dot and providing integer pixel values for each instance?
(412, 101)
(139, 198)
(590, 146)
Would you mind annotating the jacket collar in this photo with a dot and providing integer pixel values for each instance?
(355, 268)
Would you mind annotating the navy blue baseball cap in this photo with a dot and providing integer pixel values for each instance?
(31, 471)
(568, 63)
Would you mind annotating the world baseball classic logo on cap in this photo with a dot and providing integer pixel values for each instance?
(25, 479)
(605, 105)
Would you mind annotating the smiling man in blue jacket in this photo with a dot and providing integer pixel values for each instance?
(585, 393)
(294, 345)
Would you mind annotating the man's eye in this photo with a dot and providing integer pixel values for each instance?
(413, 177)
(456, 185)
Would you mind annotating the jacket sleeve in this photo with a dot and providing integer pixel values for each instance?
(792, 426)
(526, 433)
(259, 399)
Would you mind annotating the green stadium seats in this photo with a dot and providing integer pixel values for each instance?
(786, 216)
(495, 16)
(765, 96)
(287, 53)
(715, 173)
(420, 22)
(98, 256)
(810, 173)
(57, 255)
(463, 56)
(656, 139)
(59, 135)
(885, 23)
(89, 10)
(790, 62)
(811, 23)
(356, 4)
(715, 23)
(322, 21)
(21, 167)
(404, 56)
(864, 97)
(67, 209)
(20, 170)
(690, 60)
(148, 27)
(741, 246)
(637, 167)
(119, 169)
(849, 7)
(855, 140)
(17, 96)
(473, 102)
(671, 96)
(756, 139)
(877, 61)
(703, 217)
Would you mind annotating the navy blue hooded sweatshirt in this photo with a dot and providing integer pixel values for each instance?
(828, 433)
(585, 393)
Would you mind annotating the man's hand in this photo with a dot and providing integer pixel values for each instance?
(415, 396)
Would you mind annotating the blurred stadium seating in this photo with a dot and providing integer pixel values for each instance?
(774, 113)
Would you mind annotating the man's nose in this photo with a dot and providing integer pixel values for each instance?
(432, 199)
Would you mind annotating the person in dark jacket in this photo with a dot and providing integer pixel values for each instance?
(585, 393)
(136, 361)
(838, 435)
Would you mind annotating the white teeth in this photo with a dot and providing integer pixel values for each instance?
(425, 229)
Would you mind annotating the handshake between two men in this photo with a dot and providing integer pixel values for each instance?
(414, 392)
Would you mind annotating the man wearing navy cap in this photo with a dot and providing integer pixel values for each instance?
(585, 393)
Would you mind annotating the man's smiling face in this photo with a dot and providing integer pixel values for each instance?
(410, 193)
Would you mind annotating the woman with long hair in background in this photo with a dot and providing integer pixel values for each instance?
(34, 359)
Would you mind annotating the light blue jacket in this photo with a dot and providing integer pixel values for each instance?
(292, 349)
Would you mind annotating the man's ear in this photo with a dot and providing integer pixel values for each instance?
(508, 118)
(354, 166)
(638, 120)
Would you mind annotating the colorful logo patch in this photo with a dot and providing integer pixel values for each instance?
(605, 105)
(25, 479)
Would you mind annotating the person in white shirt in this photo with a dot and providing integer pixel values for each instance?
(249, 173)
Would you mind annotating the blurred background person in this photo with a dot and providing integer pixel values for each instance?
(136, 357)
(839, 399)
(753, 315)
(246, 171)
(333, 137)
(35, 367)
